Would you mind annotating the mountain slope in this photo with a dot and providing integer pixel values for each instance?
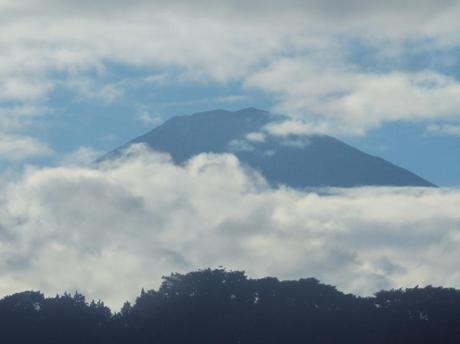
(296, 161)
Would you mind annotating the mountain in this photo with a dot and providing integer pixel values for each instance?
(296, 161)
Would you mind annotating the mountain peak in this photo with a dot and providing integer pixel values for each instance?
(300, 162)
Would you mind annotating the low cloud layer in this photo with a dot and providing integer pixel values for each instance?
(110, 230)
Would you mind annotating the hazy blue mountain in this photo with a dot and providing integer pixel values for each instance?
(296, 161)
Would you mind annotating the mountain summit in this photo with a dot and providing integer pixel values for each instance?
(297, 161)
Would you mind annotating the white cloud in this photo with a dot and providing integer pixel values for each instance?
(341, 99)
(222, 42)
(110, 230)
(88, 88)
(14, 118)
(296, 127)
(255, 137)
(449, 129)
(257, 42)
(146, 118)
(83, 156)
(12, 89)
(239, 146)
(18, 148)
(15, 145)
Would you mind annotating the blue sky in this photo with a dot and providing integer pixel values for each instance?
(73, 121)
(383, 77)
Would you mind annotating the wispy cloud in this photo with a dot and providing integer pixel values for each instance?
(15, 144)
(449, 129)
(18, 148)
(149, 119)
(342, 98)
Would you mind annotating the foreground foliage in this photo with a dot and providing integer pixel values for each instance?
(218, 306)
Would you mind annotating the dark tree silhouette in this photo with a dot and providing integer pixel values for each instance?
(219, 306)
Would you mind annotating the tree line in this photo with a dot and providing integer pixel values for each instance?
(220, 306)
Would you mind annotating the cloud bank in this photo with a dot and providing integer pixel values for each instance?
(112, 229)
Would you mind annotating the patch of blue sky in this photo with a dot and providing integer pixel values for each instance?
(408, 56)
(89, 118)
(106, 108)
(431, 155)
